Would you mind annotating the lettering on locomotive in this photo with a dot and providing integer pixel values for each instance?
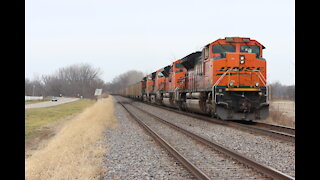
(237, 68)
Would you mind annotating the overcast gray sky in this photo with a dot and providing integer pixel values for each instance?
(145, 35)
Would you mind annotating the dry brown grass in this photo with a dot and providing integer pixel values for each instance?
(36, 118)
(282, 112)
(76, 151)
(278, 117)
(104, 95)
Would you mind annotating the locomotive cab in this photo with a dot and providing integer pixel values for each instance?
(239, 79)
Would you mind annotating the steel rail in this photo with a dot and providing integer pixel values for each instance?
(269, 132)
(266, 170)
(236, 125)
(190, 166)
(285, 129)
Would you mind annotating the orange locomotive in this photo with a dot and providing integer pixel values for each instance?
(227, 79)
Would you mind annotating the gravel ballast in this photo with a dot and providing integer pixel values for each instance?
(213, 163)
(133, 154)
(272, 152)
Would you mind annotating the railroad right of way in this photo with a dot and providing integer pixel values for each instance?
(133, 154)
(272, 152)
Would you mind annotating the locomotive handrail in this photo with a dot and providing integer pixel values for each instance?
(215, 85)
(262, 76)
(177, 97)
(218, 81)
(263, 79)
(268, 89)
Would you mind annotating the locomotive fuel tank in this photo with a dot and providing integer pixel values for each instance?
(195, 105)
(168, 102)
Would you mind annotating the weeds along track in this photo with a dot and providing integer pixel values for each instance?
(272, 130)
(204, 158)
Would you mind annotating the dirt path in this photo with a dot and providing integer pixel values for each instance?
(61, 100)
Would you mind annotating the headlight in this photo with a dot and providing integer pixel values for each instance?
(231, 83)
(242, 59)
(257, 84)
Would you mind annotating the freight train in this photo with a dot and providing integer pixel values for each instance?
(226, 80)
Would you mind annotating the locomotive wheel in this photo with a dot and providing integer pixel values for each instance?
(214, 115)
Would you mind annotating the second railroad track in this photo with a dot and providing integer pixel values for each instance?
(205, 159)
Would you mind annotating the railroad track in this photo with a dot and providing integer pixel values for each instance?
(196, 171)
(281, 132)
(276, 131)
(283, 129)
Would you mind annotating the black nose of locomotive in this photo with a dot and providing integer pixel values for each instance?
(245, 106)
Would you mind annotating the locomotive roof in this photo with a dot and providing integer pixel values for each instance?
(190, 60)
(165, 71)
(237, 40)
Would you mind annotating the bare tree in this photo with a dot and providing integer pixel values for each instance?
(79, 80)
(28, 87)
(34, 87)
(291, 92)
(52, 85)
(75, 80)
(125, 79)
(279, 91)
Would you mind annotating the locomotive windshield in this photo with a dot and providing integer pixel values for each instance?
(250, 49)
(222, 48)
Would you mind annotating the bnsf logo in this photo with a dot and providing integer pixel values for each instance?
(237, 68)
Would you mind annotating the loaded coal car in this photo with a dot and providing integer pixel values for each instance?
(132, 91)
(227, 80)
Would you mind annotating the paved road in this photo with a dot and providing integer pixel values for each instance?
(61, 100)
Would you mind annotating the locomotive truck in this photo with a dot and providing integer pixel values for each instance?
(226, 80)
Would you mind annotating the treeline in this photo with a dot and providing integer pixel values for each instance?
(124, 80)
(78, 80)
(279, 91)
(74, 81)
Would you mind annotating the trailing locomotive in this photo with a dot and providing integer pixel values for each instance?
(227, 80)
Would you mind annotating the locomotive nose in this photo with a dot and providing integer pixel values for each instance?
(245, 106)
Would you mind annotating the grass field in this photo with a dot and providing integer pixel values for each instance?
(77, 149)
(38, 117)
